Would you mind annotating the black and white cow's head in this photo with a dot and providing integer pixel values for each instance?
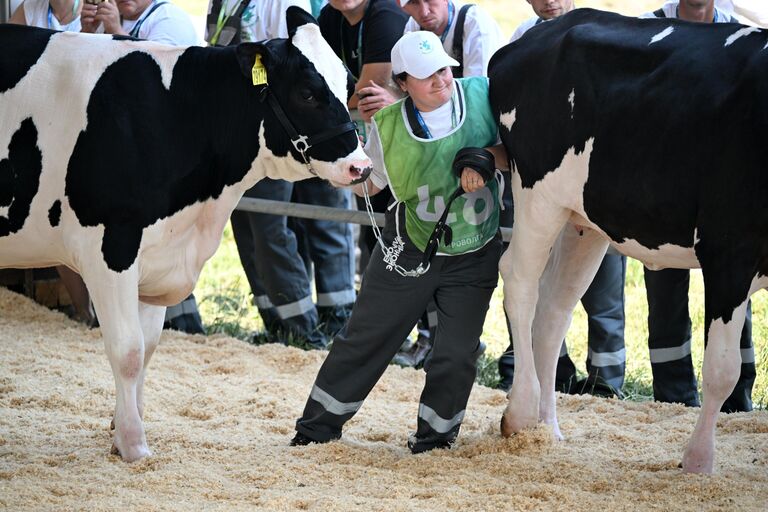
(306, 120)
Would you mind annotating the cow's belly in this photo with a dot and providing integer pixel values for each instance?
(175, 249)
(666, 256)
(168, 274)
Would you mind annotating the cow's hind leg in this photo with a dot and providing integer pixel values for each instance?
(152, 319)
(572, 265)
(720, 371)
(115, 298)
(536, 227)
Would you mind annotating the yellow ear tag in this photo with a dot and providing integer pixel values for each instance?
(259, 72)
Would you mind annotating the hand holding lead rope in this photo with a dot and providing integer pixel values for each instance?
(481, 165)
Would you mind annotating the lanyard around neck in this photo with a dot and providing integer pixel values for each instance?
(359, 49)
(450, 22)
(50, 14)
(424, 133)
(135, 30)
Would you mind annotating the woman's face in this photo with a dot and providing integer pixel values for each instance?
(431, 92)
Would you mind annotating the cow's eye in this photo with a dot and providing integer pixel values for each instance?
(307, 95)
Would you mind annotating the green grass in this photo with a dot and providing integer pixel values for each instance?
(225, 305)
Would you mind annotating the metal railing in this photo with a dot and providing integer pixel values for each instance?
(309, 211)
(5, 10)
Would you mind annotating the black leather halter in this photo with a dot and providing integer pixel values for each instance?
(303, 143)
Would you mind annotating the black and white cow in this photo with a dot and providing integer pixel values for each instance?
(649, 135)
(124, 159)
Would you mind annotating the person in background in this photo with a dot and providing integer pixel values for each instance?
(163, 22)
(479, 38)
(54, 14)
(153, 20)
(362, 33)
(603, 300)
(669, 323)
(749, 12)
(413, 145)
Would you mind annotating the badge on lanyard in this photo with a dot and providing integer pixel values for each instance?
(259, 72)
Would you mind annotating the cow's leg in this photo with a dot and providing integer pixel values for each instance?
(537, 224)
(152, 319)
(720, 371)
(115, 298)
(572, 265)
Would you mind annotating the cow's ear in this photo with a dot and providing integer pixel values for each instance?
(297, 17)
(247, 54)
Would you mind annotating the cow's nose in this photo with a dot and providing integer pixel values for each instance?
(359, 172)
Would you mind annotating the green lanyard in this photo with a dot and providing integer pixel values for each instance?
(359, 50)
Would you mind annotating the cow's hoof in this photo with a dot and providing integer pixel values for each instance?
(555, 429)
(132, 454)
(511, 425)
(697, 463)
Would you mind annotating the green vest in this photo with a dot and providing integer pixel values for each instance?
(420, 175)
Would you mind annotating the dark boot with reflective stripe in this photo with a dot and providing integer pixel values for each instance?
(421, 444)
(184, 317)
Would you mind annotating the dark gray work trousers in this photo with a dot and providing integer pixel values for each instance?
(387, 307)
(669, 342)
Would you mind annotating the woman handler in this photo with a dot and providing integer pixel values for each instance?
(412, 145)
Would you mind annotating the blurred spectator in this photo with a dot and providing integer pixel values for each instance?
(154, 20)
(54, 14)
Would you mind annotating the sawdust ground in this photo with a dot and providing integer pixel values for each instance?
(220, 414)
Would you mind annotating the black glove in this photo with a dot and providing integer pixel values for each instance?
(478, 159)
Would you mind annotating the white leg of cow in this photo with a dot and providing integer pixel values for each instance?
(117, 306)
(152, 319)
(720, 371)
(537, 225)
(572, 265)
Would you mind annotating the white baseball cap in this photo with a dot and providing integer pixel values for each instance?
(403, 2)
(419, 54)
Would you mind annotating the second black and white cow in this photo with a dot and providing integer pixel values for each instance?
(648, 135)
(124, 159)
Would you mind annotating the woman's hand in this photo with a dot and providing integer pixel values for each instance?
(471, 180)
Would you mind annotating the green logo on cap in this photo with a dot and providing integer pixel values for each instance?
(425, 47)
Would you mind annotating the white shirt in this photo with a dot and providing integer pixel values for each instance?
(265, 19)
(36, 15)
(482, 37)
(523, 28)
(670, 11)
(749, 12)
(167, 24)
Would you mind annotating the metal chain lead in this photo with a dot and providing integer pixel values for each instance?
(391, 254)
